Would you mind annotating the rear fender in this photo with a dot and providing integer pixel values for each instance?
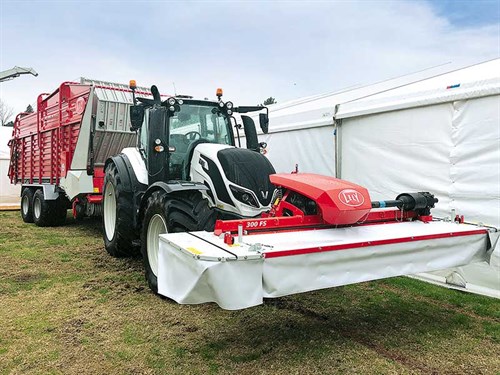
(127, 173)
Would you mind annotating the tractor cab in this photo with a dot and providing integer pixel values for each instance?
(170, 130)
(169, 134)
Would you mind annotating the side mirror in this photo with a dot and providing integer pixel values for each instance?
(136, 117)
(264, 122)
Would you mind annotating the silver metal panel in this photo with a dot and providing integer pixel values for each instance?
(115, 92)
(108, 143)
(113, 116)
(108, 117)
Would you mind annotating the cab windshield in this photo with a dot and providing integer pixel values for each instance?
(194, 122)
(192, 125)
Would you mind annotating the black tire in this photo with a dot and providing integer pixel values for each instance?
(118, 216)
(180, 212)
(47, 213)
(59, 210)
(27, 205)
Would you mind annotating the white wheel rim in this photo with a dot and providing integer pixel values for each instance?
(37, 207)
(156, 227)
(25, 204)
(109, 210)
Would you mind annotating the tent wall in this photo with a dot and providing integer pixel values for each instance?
(9, 194)
(451, 149)
(397, 151)
(433, 131)
(312, 149)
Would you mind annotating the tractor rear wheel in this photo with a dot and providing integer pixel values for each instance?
(168, 213)
(27, 205)
(118, 216)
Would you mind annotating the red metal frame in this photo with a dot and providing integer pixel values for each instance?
(325, 191)
(332, 210)
(44, 142)
(94, 198)
(310, 222)
(98, 179)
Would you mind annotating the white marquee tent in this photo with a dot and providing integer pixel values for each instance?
(9, 194)
(439, 134)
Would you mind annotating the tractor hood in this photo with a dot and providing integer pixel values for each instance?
(238, 178)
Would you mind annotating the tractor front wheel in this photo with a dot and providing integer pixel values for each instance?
(167, 213)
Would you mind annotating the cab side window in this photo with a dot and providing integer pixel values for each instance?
(144, 136)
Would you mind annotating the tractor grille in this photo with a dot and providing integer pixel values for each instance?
(250, 170)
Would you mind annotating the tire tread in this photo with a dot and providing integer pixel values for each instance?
(183, 212)
(124, 239)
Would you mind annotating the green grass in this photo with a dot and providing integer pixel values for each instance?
(66, 307)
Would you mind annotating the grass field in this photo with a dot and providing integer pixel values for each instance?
(66, 307)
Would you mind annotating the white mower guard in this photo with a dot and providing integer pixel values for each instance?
(199, 267)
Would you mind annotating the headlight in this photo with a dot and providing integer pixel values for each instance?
(180, 101)
(171, 101)
(229, 105)
(221, 104)
(244, 196)
(172, 108)
(229, 112)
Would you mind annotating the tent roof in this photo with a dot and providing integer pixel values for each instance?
(474, 81)
(318, 110)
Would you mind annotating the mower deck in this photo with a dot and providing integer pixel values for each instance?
(201, 267)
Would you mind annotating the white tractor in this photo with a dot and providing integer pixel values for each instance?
(184, 172)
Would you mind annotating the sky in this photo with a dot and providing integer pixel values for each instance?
(252, 49)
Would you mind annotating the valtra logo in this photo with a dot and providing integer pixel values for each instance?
(351, 198)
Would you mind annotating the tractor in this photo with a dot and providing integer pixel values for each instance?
(184, 173)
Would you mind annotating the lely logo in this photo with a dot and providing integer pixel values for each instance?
(351, 198)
